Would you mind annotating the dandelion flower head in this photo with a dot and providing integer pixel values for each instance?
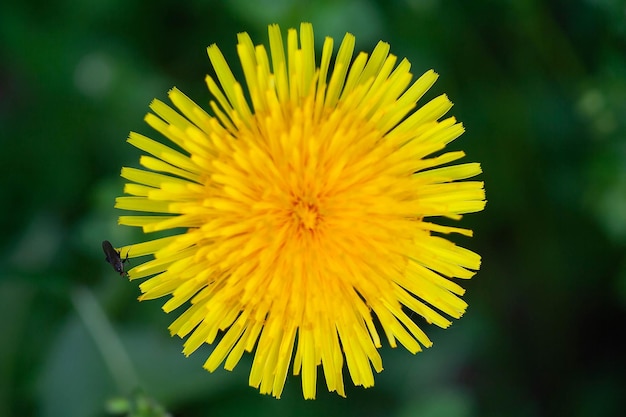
(301, 206)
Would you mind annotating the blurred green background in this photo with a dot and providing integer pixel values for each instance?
(541, 89)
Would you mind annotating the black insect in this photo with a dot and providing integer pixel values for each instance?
(113, 257)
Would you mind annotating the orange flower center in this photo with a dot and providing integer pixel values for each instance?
(306, 213)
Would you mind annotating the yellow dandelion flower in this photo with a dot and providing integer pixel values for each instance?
(303, 204)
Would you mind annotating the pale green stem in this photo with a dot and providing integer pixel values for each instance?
(106, 339)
